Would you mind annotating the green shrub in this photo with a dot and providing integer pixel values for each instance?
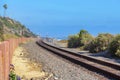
(12, 76)
(79, 40)
(100, 43)
(114, 46)
(1, 32)
(73, 41)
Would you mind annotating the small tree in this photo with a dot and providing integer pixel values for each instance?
(5, 8)
(82, 32)
(84, 37)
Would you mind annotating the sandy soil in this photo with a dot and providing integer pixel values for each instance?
(25, 68)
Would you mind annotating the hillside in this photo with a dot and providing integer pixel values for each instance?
(10, 28)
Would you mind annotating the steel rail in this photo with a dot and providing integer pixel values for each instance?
(106, 68)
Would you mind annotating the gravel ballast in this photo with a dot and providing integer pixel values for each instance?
(59, 68)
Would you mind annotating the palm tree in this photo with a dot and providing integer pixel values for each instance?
(5, 8)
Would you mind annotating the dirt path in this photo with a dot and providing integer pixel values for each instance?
(25, 68)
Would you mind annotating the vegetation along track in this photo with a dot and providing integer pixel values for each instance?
(108, 69)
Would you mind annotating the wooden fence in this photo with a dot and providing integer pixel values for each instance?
(6, 52)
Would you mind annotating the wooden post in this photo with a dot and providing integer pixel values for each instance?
(2, 49)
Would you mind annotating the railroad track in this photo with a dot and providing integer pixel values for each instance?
(108, 69)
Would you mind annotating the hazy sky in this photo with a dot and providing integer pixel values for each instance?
(60, 18)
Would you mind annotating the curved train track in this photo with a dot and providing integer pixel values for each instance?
(108, 69)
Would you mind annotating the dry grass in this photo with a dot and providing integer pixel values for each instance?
(25, 68)
(9, 36)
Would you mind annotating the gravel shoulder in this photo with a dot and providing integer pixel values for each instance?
(58, 68)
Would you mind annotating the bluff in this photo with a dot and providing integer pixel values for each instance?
(10, 28)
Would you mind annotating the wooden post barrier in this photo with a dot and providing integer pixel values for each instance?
(7, 60)
(11, 49)
(6, 52)
(17, 42)
(2, 49)
(1, 66)
(13, 44)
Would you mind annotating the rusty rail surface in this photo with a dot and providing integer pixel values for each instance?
(108, 69)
